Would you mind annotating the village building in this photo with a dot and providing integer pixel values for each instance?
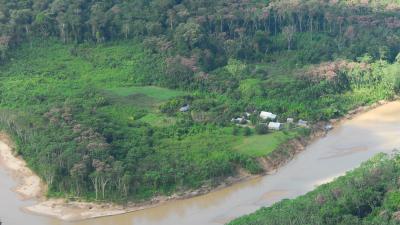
(185, 108)
(302, 123)
(239, 120)
(267, 115)
(290, 120)
(274, 126)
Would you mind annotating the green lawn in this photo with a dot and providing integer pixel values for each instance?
(159, 93)
(262, 145)
(145, 97)
(158, 120)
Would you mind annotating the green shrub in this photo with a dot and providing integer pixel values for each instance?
(235, 130)
(261, 129)
(247, 131)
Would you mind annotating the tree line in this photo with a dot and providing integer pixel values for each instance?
(366, 196)
(204, 31)
(72, 135)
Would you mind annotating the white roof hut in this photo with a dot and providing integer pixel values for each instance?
(185, 108)
(267, 115)
(290, 120)
(302, 123)
(274, 126)
(239, 120)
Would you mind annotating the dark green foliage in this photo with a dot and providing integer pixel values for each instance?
(235, 130)
(210, 32)
(261, 129)
(84, 84)
(367, 195)
(172, 107)
(80, 126)
(247, 131)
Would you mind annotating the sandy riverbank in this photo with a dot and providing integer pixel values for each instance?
(30, 185)
(74, 210)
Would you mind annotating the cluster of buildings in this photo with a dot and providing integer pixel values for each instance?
(273, 123)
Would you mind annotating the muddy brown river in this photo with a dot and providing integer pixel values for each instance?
(343, 149)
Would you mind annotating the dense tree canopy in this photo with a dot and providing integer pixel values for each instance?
(81, 83)
(366, 196)
(211, 29)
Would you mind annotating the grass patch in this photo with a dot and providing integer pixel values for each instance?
(139, 101)
(159, 93)
(158, 120)
(145, 97)
(262, 145)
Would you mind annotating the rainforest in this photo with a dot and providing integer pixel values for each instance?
(122, 101)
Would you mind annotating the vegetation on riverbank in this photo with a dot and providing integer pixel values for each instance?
(92, 97)
(368, 195)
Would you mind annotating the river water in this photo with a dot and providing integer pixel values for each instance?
(343, 149)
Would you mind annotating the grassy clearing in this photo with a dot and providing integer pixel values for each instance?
(158, 120)
(262, 145)
(139, 101)
(159, 93)
(146, 97)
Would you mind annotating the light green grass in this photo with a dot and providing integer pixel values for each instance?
(262, 145)
(120, 113)
(145, 97)
(158, 120)
(53, 71)
(159, 93)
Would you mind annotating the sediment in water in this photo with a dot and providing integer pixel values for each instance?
(30, 185)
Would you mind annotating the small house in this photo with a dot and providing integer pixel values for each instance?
(239, 120)
(290, 120)
(274, 126)
(302, 123)
(267, 115)
(185, 108)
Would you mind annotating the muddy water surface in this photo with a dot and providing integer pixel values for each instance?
(343, 149)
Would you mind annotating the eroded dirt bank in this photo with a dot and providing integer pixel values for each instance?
(30, 186)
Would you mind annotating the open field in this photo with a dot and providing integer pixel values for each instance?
(262, 145)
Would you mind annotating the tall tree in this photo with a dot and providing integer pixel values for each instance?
(289, 32)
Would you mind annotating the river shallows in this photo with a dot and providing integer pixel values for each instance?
(341, 150)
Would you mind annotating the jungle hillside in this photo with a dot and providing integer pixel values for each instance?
(116, 100)
(369, 195)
